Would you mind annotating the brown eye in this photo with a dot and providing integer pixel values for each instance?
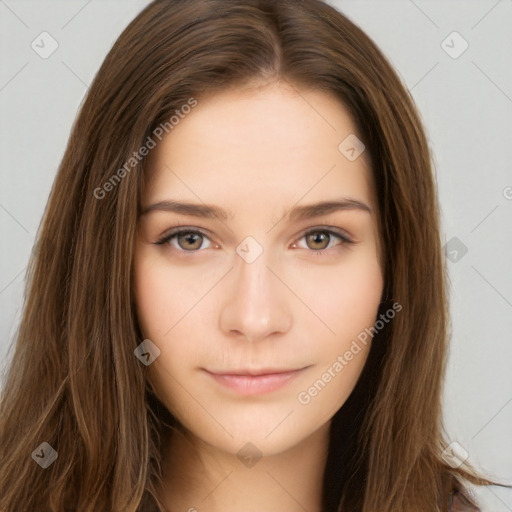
(189, 241)
(185, 240)
(318, 240)
(322, 241)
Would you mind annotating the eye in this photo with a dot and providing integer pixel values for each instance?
(186, 240)
(320, 240)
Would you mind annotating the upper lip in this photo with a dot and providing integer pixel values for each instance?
(254, 372)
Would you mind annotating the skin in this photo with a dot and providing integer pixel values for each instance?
(257, 153)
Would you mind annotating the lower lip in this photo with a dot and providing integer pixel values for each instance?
(255, 384)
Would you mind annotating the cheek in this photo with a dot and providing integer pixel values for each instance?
(152, 302)
(348, 305)
(359, 292)
(167, 300)
(161, 301)
(346, 300)
(163, 295)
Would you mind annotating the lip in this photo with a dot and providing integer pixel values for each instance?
(255, 382)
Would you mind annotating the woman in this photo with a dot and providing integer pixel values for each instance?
(237, 299)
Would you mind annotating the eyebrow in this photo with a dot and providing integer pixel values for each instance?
(297, 213)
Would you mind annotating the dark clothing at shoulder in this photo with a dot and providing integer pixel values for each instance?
(458, 502)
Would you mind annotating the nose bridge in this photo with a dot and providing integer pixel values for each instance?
(256, 303)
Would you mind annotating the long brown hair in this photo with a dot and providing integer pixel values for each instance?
(73, 380)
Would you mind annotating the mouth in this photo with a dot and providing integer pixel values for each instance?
(255, 382)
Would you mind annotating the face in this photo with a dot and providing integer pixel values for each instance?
(257, 303)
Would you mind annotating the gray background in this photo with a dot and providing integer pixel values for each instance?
(466, 105)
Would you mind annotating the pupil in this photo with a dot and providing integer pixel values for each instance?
(319, 235)
(189, 237)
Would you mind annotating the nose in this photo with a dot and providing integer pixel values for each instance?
(256, 302)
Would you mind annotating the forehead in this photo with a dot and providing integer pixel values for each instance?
(273, 143)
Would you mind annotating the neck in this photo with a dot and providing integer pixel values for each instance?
(200, 477)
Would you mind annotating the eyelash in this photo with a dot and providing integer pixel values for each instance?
(337, 234)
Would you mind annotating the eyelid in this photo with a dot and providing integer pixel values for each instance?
(346, 238)
(181, 229)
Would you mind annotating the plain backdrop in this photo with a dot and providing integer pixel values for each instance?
(454, 56)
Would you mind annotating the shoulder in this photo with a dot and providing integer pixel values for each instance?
(459, 502)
